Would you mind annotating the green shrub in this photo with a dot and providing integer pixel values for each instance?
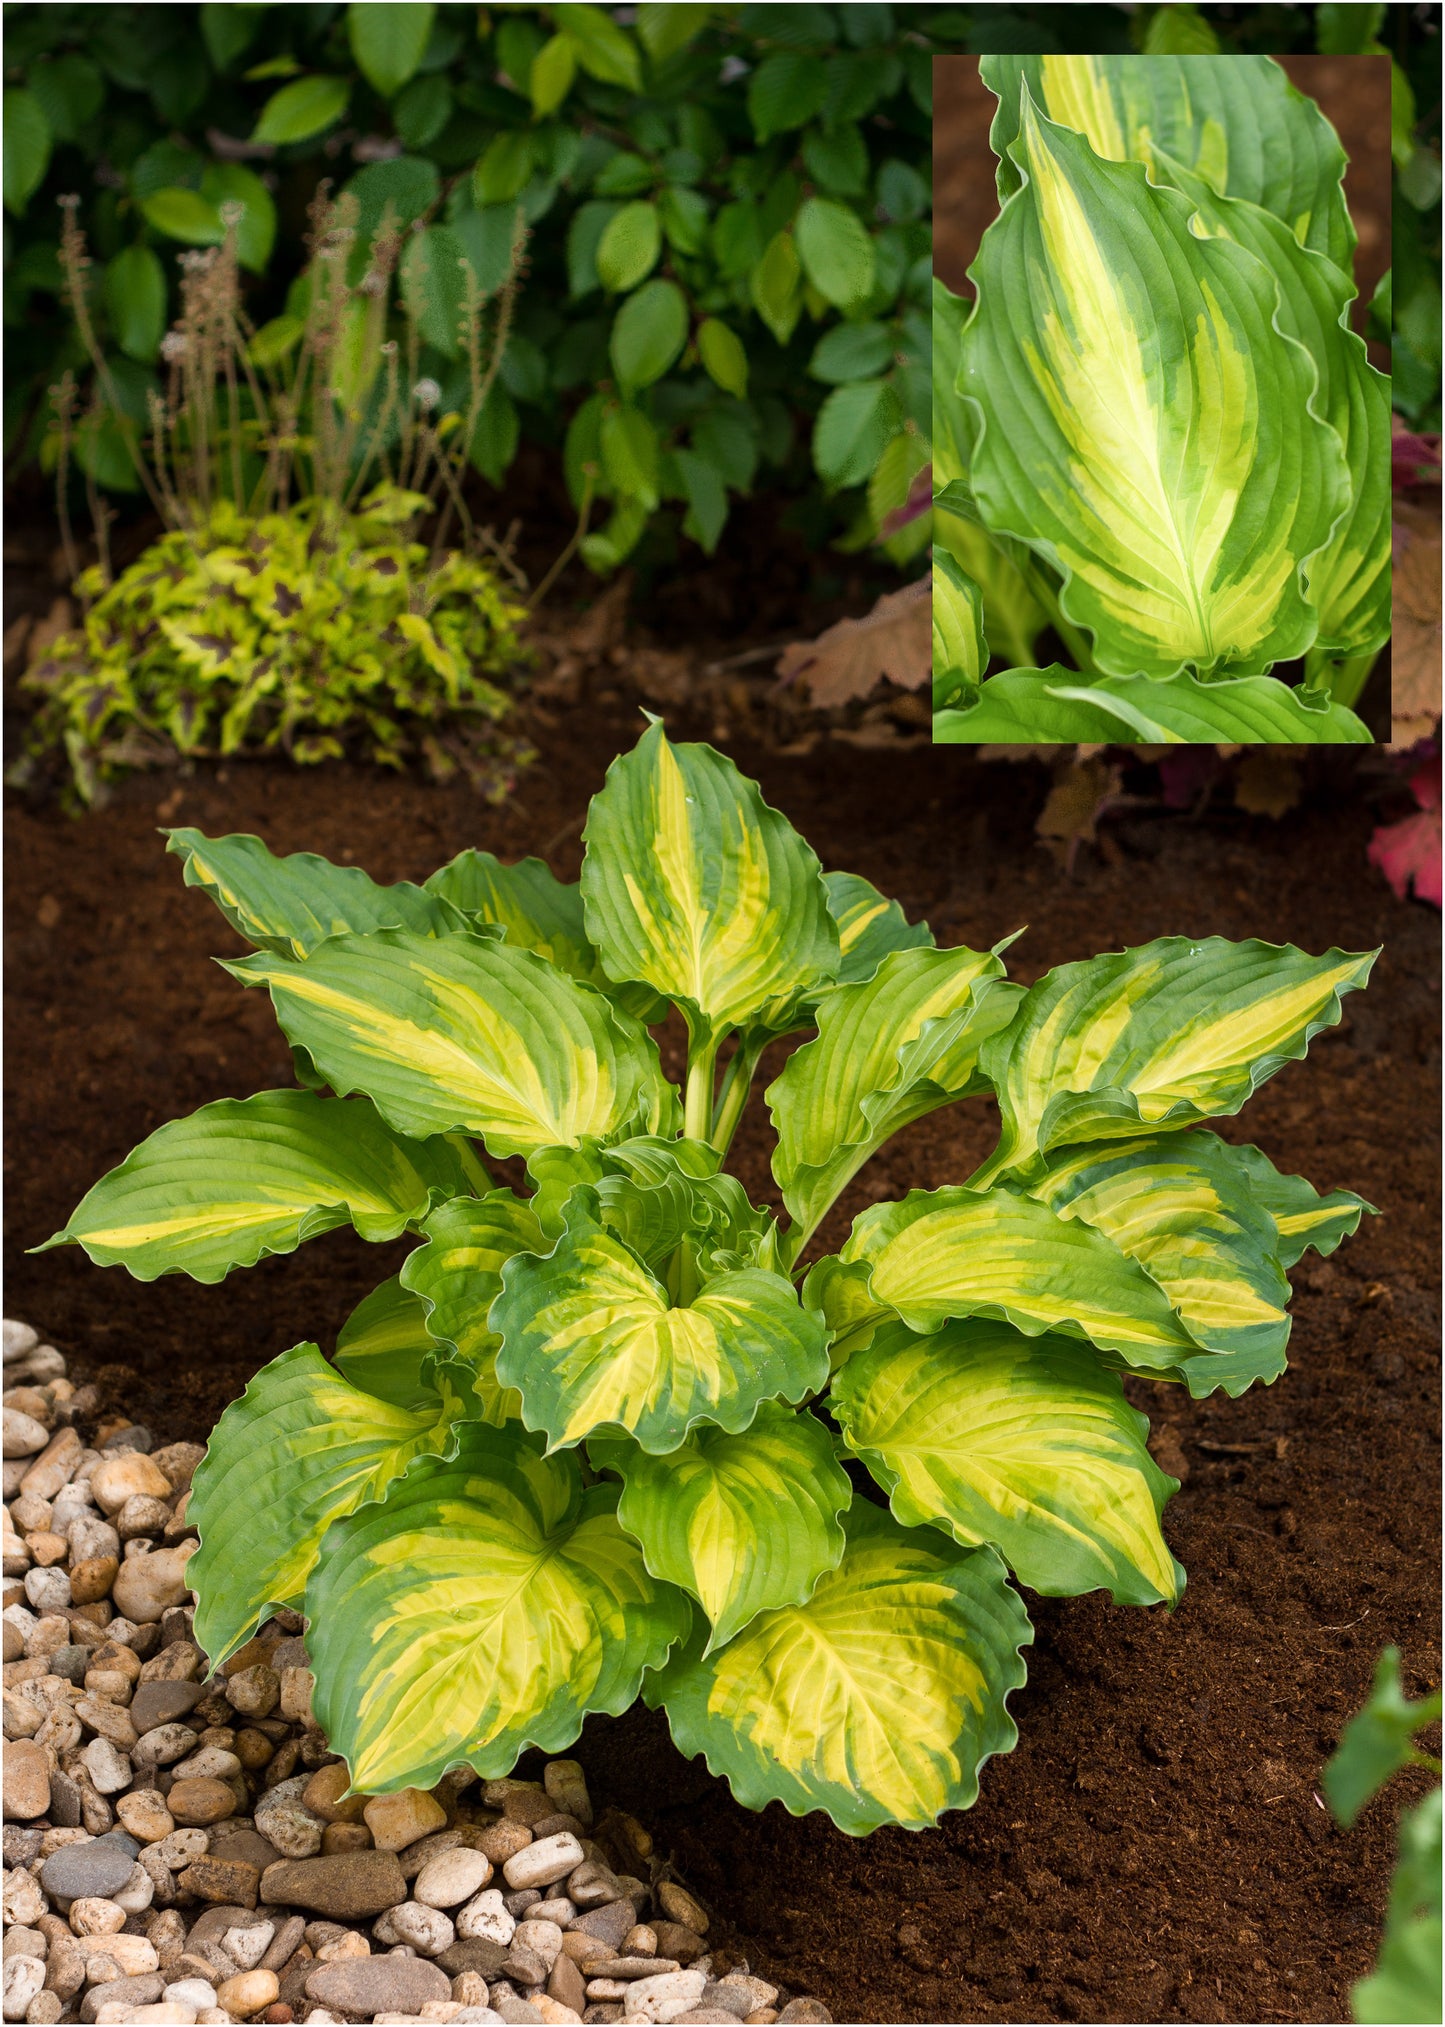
(312, 633)
(617, 1434)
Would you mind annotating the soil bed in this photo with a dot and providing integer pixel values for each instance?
(1154, 1849)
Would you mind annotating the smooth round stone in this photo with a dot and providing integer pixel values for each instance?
(255, 1692)
(198, 1803)
(351, 1885)
(127, 1474)
(24, 1977)
(145, 1815)
(248, 1993)
(678, 1905)
(370, 1985)
(109, 1769)
(195, 1992)
(487, 1917)
(426, 1929)
(27, 1780)
(158, 1703)
(92, 1917)
(663, 1998)
(452, 1877)
(323, 1792)
(545, 1862)
(566, 1784)
(556, 1907)
(86, 1871)
(249, 1945)
(542, 1938)
(211, 1763)
(150, 1583)
(23, 1436)
(47, 1589)
(133, 1956)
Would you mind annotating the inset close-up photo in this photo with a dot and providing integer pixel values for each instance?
(1162, 452)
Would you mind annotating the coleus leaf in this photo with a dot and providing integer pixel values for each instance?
(887, 1051)
(694, 886)
(486, 1604)
(745, 1522)
(301, 1447)
(1169, 1033)
(290, 905)
(465, 1033)
(1025, 1443)
(1058, 707)
(941, 1254)
(878, 1699)
(1108, 344)
(247, 1177)
(593, 1340)
(1236, 121)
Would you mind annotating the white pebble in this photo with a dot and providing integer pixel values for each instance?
(93, 1916)
(545, 1862)
(248, 1945)
(17, 1339)
(543, 1938)
(138, 1892)
(23, 1436)
(487, 1917)
(192, 1992)
(90, 1537)
(109, 1769)
(47, 1590)
(665, 1997)
(452, 1877)
(24, 1977)
(427, 1929)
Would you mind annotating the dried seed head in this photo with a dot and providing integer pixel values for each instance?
(174, 345)
(426, 394)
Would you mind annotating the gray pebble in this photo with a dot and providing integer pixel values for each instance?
(91, 1871)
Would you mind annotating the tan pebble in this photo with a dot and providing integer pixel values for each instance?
(144, 1814)
(122, 1476)
(133, 1956)
(640, 1941)
(255, 1692)
(248, 1993)
(398, 1820)
(200, 1802)
(678, 1905)
(48, 1549)
(92, 1579)
(337, 1837)
(324, 1792)
(342, 1947)
(504, 1840)
(150, 1583)
(298, 1686)
(141, 1515)
(55, 1466)
(92, 1916)
(111, 1720)
(181, 1661)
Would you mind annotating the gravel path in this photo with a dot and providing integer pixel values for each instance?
(179, 1845)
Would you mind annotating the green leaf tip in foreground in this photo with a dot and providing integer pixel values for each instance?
(743, 1522)
(457, 1275)
(1405, 1984)
(1166, 1034)
(1236, 121)
(464, 1034)
(1024, 1443)
(1378, 1741)
(301, 1447)
(869, 926)
(877, 1700)
(888, 1050)
(485, 1604)
(1056, 707)
(694, 886)
(247, 1177)
(1107, 345)
(592, 1341)
(946, 1253)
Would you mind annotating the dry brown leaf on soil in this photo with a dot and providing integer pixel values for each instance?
(1268, 782)
(1070, 814)
(1415, 648)
(894, 640)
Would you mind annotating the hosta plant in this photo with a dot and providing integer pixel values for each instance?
(1155, 431)
(619, 1429)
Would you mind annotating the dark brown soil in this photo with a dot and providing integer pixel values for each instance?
(1155, 1848)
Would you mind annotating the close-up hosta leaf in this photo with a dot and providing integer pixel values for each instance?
(290, 905)
(1167, 1034)
(1145, 427)
(877, 1700)
(960, 651)
(744, 1523)
(1025, 1443)
(300, 1448)
(869, 926)
(694, 886)
(593, 1342)
(250, 1176)
(457, 1275)
(384, 1348)
(1304, 1220)
(1235, 120)
(465, 1033)
(1012, 617)
(887, 1052)
(946, 1253)
(1183, 1206)
(1058, 707)
(486, 1604)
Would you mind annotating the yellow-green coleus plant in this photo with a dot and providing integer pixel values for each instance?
(1162, 425)
(619, 1430)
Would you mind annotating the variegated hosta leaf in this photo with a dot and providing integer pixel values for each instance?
(462, 1032)
(1183, 1206)
(744, 1523)
(1013, 618)
(592, 1342)
(1349, 580)
(887, 1052)
(537, 911)
(486, 1604)
(300, 1448)
(694, 886)
(1057, 707)
(1026, 1443)
(878, 1700)
(960, 652)
(250, 1176)
(869, 926)
(457, 1275)
(1163, 1035)
(1303, 1219)
(946, 1253)
(953, 425)
(1236, 120)
(290, 905)
(383, 1346)
(1146, 429)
